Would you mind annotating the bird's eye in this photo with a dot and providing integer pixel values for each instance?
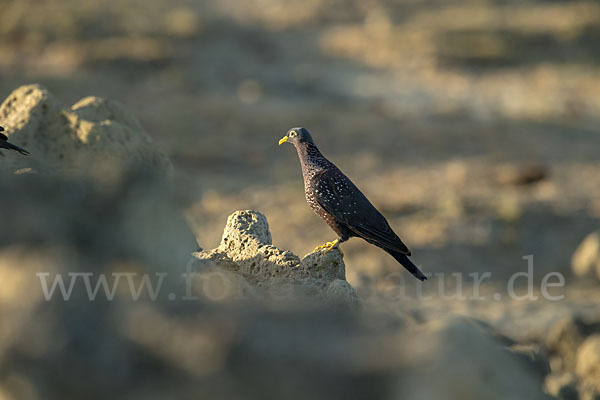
(293, 133)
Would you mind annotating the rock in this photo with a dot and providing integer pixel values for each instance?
(454, 358)
(588, 392)
(92, 134)
(586, 259)
(327, 266)
(246, 249)
(563, 339)
(216, 284)
(534, 354)
(341, 292)
(588, 362)
(203, 348)
(94, 180)
(135, 218)
(562, 386)
(69, 228)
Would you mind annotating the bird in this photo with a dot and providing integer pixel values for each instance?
(337, 200)
(5, 145)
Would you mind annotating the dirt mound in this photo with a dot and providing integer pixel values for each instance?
(93, 133)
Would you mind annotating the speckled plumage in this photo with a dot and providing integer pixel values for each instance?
(313, 164)
(5, 145)
(334, 197)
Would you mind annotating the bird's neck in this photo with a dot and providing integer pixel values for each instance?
(310, 155)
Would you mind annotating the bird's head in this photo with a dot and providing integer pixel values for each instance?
(296, 136)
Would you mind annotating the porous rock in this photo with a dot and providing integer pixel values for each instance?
(246, 249)
(75, 139)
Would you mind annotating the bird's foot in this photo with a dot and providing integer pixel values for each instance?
(329, 246)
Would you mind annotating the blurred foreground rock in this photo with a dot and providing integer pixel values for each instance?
(588, 363)
(262, 269)
(167, 345)
(586, 260)
(92, 133)
(134, 217)
(575, 359)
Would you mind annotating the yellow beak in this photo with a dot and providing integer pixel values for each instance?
(283, 140)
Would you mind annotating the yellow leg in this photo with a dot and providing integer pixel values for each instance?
(328, 246)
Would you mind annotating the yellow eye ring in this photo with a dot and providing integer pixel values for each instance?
(293, 133)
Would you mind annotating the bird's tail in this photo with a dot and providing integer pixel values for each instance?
(406, 263)
(10, 146)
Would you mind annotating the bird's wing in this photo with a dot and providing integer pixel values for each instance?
(342, 199)
(3, 137)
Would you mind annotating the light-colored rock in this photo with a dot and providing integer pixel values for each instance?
(327, 266)
(563, 338)
(562, 386)
(92, 134)
(588, 361)
(216, 284)
(341, 292)
(243, 225)
(246, 249)
(586, 259)
(588, 392)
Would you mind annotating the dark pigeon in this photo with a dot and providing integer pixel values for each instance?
(334, 197)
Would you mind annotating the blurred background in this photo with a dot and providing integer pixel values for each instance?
(472, 126)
